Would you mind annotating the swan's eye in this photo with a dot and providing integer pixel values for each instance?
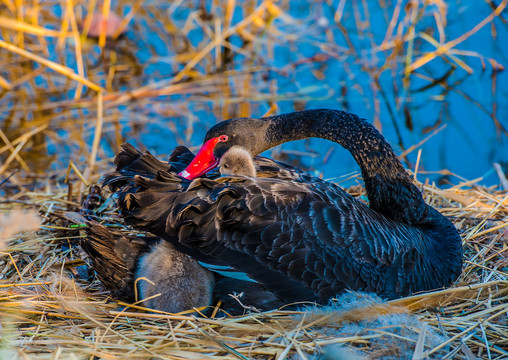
(223, 138)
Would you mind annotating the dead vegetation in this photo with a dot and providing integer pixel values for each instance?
(50, 308)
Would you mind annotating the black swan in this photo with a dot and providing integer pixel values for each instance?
(303, 238)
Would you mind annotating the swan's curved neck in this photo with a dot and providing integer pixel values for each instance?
(389, 187)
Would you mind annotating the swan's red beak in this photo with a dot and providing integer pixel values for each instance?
(204, 161)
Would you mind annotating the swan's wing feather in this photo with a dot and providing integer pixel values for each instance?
(180, 158)
(130, 162)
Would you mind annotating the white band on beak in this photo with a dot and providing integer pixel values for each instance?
(184, 174)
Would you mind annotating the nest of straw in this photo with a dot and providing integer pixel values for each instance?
(51, 308)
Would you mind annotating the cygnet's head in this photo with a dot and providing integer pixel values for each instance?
(237, 161)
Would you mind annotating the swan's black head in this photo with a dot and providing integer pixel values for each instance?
(247, 133)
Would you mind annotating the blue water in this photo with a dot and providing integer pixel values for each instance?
(468, 145)
(290, 77)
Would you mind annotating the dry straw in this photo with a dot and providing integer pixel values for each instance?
(48, 309)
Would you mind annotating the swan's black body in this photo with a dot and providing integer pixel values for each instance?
(303, 238)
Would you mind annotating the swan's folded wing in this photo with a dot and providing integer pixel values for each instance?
(299, 231)
(291, 237)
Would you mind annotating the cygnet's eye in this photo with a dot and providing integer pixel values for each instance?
(225, 166)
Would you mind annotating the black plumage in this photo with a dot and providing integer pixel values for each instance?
(303, 238)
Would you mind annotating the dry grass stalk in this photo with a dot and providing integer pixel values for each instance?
(52, 65)
(12, 24)
(445, 48)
